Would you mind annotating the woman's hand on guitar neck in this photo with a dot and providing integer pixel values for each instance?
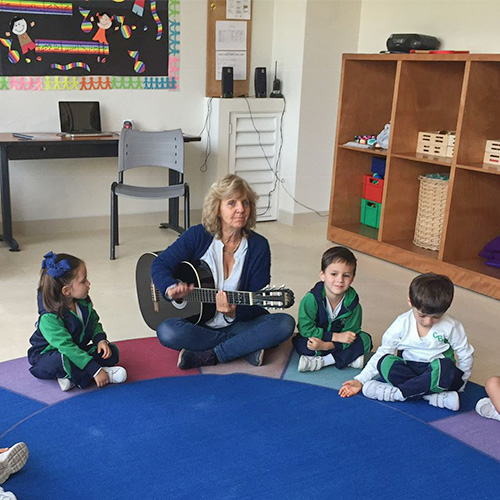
(179, 291)
(223, 305)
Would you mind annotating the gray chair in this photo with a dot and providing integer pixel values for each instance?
(153, 149)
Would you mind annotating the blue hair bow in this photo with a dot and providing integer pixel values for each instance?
(55, 269)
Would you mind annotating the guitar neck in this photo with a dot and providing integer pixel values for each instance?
(208, 296)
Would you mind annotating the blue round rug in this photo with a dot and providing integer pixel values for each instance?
(240, 437)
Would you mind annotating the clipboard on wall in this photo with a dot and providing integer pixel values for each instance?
(227, 34)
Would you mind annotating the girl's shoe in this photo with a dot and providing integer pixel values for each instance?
(12, 460)
(116, 374)
(486, 409)
(65, 384)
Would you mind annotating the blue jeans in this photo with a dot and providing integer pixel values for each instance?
(231, 342)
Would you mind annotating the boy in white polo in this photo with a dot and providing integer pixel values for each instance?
(416, 358)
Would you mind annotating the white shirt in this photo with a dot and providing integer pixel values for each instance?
(214, 258)
(402, 335)
(333, 313)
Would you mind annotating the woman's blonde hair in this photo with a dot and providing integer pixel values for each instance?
(227, 187)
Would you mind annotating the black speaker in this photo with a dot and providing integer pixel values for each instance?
(227, 81)
(260, 82)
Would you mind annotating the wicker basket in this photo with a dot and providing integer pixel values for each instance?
(430, 214)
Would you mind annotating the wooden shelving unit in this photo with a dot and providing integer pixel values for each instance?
(421, 92)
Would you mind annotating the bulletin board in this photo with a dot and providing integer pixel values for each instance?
(86, 45)
(216, 11)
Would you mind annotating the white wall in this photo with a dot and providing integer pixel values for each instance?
(332, 28)
(459, 24)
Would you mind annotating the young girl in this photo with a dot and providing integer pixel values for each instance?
(490, 407)
(69, 343)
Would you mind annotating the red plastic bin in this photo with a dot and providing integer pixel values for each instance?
(373, 188)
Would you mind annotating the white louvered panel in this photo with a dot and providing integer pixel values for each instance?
(253, 150)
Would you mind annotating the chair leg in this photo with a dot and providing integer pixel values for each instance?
(113, 225)
(186, 208)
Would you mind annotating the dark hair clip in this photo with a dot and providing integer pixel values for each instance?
(55, 269)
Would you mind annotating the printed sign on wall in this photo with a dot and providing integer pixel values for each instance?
(43, 43)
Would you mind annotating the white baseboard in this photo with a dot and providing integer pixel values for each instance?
(95, 223)
(302, 219)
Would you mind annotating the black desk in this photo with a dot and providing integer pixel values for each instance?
(52, 146)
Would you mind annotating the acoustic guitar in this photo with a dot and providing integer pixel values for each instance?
(199, 305)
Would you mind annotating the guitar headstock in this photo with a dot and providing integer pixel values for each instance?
(274, 297)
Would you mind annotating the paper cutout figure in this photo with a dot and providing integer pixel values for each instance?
(19, 27)
(104, 23)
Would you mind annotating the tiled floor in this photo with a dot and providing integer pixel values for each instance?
(296, 253)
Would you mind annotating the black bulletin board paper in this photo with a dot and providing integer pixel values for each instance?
(80, 38)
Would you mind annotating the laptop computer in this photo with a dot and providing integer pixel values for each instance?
(81, 119)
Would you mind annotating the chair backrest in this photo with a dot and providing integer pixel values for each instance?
(151, 149)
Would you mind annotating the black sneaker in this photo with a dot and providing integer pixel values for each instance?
(194, 359)
(255, 358)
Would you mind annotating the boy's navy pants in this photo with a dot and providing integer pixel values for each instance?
(414, 378)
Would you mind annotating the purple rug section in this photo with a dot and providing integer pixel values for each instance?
(15, 376)
(480, 433)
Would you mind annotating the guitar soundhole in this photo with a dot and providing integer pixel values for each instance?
(179, 304)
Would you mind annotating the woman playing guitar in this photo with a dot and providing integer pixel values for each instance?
(239, 259)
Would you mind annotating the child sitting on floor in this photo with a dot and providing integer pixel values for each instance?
(490, 407)
(425, 339)
(330, 317)
(69, 343)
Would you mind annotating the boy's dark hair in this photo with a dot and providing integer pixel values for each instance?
(338, 254)
(51, 288)
(431, 293)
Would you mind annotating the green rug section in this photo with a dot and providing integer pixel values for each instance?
(329, 376)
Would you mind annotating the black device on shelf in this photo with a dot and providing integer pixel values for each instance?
(260, 82)
(276, 83)
(405, 42)
(227, 81)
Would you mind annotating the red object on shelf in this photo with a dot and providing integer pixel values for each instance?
(373, 188)
(414, 51)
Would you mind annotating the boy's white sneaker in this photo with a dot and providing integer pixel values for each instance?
(7, 495)
(12, 460)
(358, 362)
(311, 363)
(116, 374)
(486, 409)
(446, 399)
(65, 384)
(373, 389)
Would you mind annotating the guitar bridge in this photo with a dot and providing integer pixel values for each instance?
(155, 297)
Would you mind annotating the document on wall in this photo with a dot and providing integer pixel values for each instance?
(231, 48)
(230, 35)
(238, 9)
(235, 59)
